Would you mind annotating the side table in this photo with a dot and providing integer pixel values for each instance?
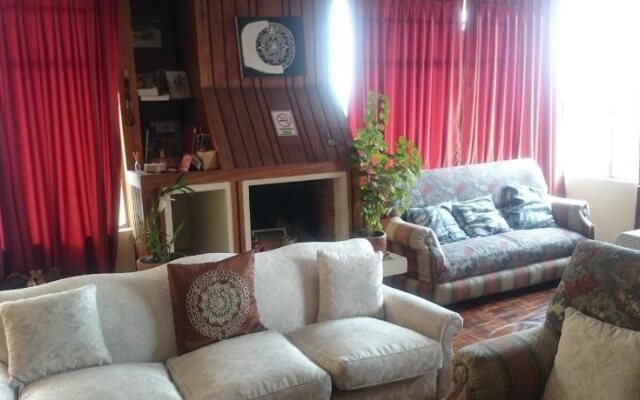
(630, 239)
(393, 264)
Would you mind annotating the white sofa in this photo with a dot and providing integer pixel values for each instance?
(405, 356)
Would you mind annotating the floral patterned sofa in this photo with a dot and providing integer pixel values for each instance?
(470, 268)
(602, 281)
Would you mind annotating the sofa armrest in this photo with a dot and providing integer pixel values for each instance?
(6, 392)
(429, 319)
(573, 215)
(414, 236)
(514, 366)
(420, 239)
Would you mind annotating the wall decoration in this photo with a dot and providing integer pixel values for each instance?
(147, 33)
(284, 123)
(271, 46)
(178, 85)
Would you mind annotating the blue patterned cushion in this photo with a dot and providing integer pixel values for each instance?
(526, 208)
(479, 217)
(439, 219)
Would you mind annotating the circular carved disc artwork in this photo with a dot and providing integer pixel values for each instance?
(276, 45)
(218, 303)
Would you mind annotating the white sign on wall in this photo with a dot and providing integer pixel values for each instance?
(284, 123)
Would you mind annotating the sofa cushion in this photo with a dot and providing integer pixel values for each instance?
(350, 285)
(213, 301)
(479, 217)
(595, 360)
(259, 365)
(112, 382)
(363, 352)
(482, 255)
(527, 208)
(53, 333)
(439, 219)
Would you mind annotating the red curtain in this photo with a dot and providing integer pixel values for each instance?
(410, 50)
(507, 102)
(60, 156)
(463, 96)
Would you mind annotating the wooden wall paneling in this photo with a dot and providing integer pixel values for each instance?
(325, 126)
(307, 128)
(231, 56)
(218, 129)
(268, 123)
(216, 41)
(231, 128)
(321, 124)
(245, 129)
(132, 141)
(256, 118)
(337, 121)
(200, 65)
(294, 149)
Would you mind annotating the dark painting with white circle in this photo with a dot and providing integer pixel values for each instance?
(271, 46)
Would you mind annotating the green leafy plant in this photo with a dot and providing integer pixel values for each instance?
(384, 177)
(157, 242)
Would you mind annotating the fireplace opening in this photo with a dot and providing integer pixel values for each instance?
(283, 213)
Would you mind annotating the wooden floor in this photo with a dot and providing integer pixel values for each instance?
(502, 313)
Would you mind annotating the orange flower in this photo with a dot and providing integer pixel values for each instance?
(362, 181)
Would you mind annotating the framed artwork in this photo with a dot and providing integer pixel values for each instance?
(271, 46)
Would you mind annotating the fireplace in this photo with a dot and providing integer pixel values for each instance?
(301, 208)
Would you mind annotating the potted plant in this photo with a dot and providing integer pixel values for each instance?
(156, 241)
(384, 178)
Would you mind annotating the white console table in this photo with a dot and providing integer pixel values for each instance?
(393, 264)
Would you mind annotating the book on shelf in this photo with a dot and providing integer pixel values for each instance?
(160, 97)
(148, 92)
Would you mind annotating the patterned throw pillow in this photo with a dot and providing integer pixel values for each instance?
(439, 219)
(213, 301)
(479, 217)
(527, 208)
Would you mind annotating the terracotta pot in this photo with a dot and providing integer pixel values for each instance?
(378, 239)
(143, 264)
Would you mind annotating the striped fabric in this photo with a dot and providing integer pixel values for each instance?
(482, 285)
(513, 366)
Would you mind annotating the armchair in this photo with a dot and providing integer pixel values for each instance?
(601, 280)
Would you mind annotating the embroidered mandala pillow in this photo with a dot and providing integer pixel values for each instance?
(439, 219)
(479, 217)
(213, 301)
(53, 333)
(527, 208)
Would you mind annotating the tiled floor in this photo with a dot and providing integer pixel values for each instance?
(503, 313)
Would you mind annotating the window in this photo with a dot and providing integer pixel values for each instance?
(341, 52)
(599, 88)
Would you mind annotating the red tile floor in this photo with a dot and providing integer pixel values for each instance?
(502, 313)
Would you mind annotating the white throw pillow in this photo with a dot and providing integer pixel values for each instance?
(53, 333)
(350, 285)
(595, 360)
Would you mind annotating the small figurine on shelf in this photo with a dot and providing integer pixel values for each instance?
(203, 146)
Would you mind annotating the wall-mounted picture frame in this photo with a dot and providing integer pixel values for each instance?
(270, 46)
(147, 33)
